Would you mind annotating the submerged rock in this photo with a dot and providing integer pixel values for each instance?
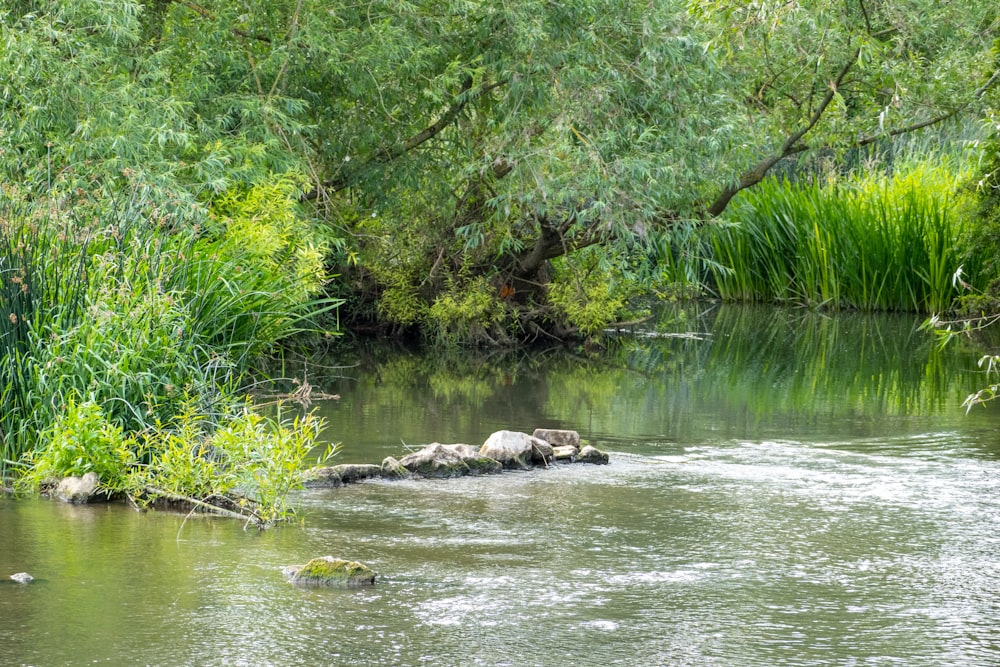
(22, 578)
(558, 437)
(77, 489)
(515, 450)
(330, 571)
(592, 455)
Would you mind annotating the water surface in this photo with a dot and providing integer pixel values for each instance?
(785, 489)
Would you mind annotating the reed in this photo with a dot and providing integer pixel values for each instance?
(874, 243)
(105, 303)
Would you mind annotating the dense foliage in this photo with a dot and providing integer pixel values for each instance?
(191, 174)
(455, 150)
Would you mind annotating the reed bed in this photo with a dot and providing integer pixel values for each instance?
(874, 243)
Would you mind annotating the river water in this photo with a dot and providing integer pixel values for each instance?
(785, 488)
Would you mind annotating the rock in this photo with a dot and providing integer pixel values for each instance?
(330, 571)
(565, 453)
(77, 489)
(393, 469)
(439, 461)
(22, 577)
(323, 477)
(541, 452)
(592, 455)
(558, 437)
(513, 449)
(350, 472)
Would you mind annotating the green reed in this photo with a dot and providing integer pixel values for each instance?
(874, 243)
(104, 301)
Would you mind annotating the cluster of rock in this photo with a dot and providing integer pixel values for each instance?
(503, 450)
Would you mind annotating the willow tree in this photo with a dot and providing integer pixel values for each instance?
(490, 166)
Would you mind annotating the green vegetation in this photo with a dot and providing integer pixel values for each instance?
(873, 243)
(189, 184)
(126, 343)
(469, 162)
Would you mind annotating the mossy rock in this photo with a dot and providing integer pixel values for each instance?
(321, 477)
(330, 571)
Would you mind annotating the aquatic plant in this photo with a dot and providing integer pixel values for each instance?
(873, 243)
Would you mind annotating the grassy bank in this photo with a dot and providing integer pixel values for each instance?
(126, 341)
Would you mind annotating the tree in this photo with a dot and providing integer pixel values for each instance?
(475, 154)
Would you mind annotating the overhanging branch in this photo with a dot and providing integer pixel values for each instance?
(385, 155)
(791, 145)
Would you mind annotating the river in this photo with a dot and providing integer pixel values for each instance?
(785, 488)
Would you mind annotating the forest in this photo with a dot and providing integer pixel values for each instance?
(189, 187)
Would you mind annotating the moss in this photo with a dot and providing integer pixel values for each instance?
(330, 571)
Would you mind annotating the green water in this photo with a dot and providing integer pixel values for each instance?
(788, 489)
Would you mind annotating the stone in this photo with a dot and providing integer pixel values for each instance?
(542, 452)
(77, 489)
(558, 437)
(393, 469)
(440, 461)
(354, 472)
(592, 455)
(22, 578)
(565, 453)
(322, 477)
(514, 449)
(330, 571)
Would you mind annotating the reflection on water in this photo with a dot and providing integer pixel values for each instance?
(792, 490)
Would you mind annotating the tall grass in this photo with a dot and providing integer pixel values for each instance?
(874, 243)
(106, 304)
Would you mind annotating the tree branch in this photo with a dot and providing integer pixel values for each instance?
(386, 155)
(790, 146)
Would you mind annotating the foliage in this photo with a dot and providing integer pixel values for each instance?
(161, 325)
(467, 311)
(81, 439)
(249, 460)
(874, 242)
(447, 143)
(589, 300)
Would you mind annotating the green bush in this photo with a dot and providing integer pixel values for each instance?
(81, 440)
(127, 337)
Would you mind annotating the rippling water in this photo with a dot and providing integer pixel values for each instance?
(750, 516)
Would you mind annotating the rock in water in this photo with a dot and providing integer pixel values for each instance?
(22, 577)
(357, 472)
(321, 477)
(77, 489)
(558, 437)
(437, 460)
(515, 450)
(393, 469)
(565, 454)
(330, 571)
(592, 455)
